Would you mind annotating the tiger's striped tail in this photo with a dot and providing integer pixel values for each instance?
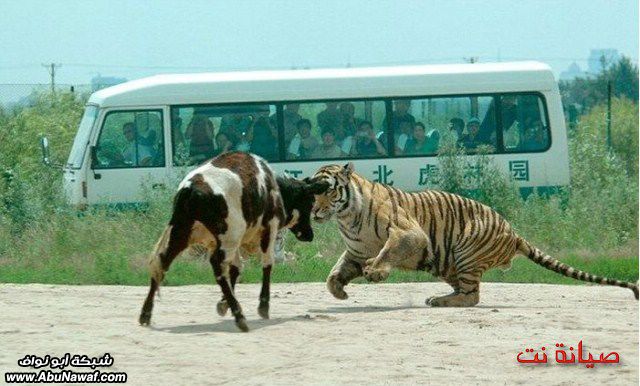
(539, 257)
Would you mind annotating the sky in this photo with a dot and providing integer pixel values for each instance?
(132, 39)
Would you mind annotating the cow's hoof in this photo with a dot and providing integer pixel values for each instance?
(222, 307)
(263, 310)
(242, 324)
(145, 318)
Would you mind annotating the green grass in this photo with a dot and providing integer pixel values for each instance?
(307, 268)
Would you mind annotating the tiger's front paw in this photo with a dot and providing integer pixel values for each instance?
(336, 288)
(375, 275)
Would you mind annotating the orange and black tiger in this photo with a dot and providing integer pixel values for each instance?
(454, 238)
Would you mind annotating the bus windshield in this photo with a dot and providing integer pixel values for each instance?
(82, 137)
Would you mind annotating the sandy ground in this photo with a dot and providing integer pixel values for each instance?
(383, 334)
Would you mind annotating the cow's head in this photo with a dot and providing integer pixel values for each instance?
(298, 198)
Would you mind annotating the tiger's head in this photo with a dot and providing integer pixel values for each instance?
(337, 197)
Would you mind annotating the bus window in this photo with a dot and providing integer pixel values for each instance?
(202, 132)
(130, 139)
(335, 130)
(524, 123)
(423, 126)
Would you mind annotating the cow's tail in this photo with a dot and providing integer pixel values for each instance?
(539, 257)
(155, 260)
(181, 216)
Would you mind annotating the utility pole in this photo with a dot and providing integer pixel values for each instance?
(51, 68)
(603, 63)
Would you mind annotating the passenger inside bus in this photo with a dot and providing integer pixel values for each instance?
(471, 139)
(328, 148)
(149, 133)
(330, 118)
(534, 138)
(509, 110)
(236, 126)
(223, 144)
(421, 143)
(290, 117)
(303, 144)
(176, 129)
(147, 127)
(263, 141)
(200, 134)
(135, 153)
(366, 143)
(349, 121)
(400, 114)
(344, 139)
(405, 133)
(456, 128)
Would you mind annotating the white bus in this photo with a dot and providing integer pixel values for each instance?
(390, 121)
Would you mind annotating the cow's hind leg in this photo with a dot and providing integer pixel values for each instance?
(147, 307)
(234, 271)
(217, 259)
(174, 240)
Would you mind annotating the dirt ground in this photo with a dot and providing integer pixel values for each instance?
(382, 334)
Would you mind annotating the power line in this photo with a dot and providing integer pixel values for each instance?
(52, 67)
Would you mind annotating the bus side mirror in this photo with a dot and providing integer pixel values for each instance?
(46, 157)
(93, 155)
(94, 162)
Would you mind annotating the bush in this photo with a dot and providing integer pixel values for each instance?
(624, 130)
(29, 191)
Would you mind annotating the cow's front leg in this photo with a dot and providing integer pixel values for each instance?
(267, 247)
(265, 295)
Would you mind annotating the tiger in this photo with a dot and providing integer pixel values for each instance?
(454, 238)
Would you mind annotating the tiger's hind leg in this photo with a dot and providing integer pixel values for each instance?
(466, 292)
(402, 249)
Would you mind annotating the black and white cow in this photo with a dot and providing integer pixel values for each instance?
(233, 204)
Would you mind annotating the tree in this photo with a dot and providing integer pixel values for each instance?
(624, 76)
(584, 93)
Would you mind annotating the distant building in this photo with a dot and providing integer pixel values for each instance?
(99, 82)
(572, 72)
(596, 57)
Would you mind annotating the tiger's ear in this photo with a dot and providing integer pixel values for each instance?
(348, 169)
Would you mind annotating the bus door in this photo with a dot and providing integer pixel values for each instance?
(128, 157)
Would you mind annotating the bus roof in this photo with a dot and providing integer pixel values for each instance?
(333, 83)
